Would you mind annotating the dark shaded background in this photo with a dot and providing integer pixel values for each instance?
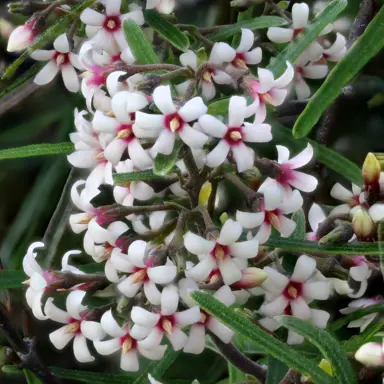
(31, 188)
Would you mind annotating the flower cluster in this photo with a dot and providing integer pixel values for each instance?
(149, 144)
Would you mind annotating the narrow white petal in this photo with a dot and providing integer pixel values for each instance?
(266, 80)
(55, 313)
(315, 71)
(244, 157)
(275, 307)
(260, 133)
(113, 7)
(202, 270)
(163, 274)
(60, 338)
(139, 333)
(151, 292)
(141, 191)
(303, 182)
(156, 353)
(92, 330)
(153, 339)
(107, 347)
(186, 286)
(225, 295)
(286, 77)
(250, 220)
(300, 13)
(229, 271)
(264, 232)
(280, 35)
(129, 288)
(276, 281)
(136, 253)
(300, 308)
(61, 43)
(71, 81)
(315, 216)
(224, 333)
(189, 58)
(302, 89)
(163, 99)
(230, 232)
(304, 268)
(246, 40)
(42, 54)
(197, 244)
(294, 338)
(73, 303)
(143, 317)
(91, 17)
(301, 159)
(212, 126)
(317, 290)
(193, 109)
(196, 340)
(192, 137)
(319, 317)
(270, 324)
(109, 325)
(246, 249)
(129, 361)
(47, 74)
(148, 124)
(139, 156)
(81, 351)
(287, 226)
(253, 57)
(188, 317)
(177, 338)
(341, 193)
(119, 261)
(169, 300)
(222, 52)
(164, 144)
(236, 111)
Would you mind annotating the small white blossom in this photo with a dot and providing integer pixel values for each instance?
(233, 135)
(172, 123)
(75, 326)
(61, 59)
(371, 354)
(353, 200)
(162, 6)
(337, 50)
(220, 253)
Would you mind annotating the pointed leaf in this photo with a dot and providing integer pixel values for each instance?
(31, 377)
(11, 278)
(270, 345)
(163, 164)
(329, 347)
(299, 218)
(311, 32)
(276, 371)
(141, 48)
(261, 22)
(364, 49)
(37, 150)
(166, 30)
(123, 178)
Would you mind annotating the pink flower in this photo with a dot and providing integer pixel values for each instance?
(22, 36)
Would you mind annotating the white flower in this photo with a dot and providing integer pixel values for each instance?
(172, 124)
(61, 59)
(360, 272)
(221, 253)
(352, 200)
(40, 279)
(123, 340)
(267, 90)
(371, 354)
(124, 107)
(162, 6)
(291, 295)
(22, 36)
(272, 215)
(76, 326)
(289, 177)
(233, 135)
(144, 273)
(196, 337)
(167, 322)
(303, 71)
(89, 152)
(245, 55)
(114, 85)
(337, 50)
(220, 53)
(139, 190)
(364, 321)
(109, 35)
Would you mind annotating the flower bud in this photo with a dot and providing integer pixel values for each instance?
(21, 37)
(252, 277)
(341, 234)
(370, 354)
(371, 175)
(362, 224)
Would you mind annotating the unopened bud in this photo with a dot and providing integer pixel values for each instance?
(371, 175)
(252, 277)
(363, 226)
(22, 37)
(341, 234)
(370, 354)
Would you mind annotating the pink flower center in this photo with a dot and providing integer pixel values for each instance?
(112, 23)
(240, 61)
(166, 323)
(204, 317)
(293, 290)
(219, 252)
(74, 326)
(101, 218)
(297, 31)
(272, 217)
(286, 175)
(173, 122)
(234, 136)
(125, 132)
(127, 343)
(61, 58)
(97, 77)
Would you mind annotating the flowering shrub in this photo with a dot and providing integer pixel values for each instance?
(195, 238)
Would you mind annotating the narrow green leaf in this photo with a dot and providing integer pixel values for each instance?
(163, 164)
(290, 244)
(270, 345)
(235, 375)
(299, 218)
(11, 278)
(363, 49)
(313, 30)
(123, 178)
(51, 33)
(256, 23)
(375, 308)
(141, 48)
(37, 150)
(167, 30)
(158, 368)
(31, 377)
(276, 371)
(329, 347)
(219, 107)
(380, 237)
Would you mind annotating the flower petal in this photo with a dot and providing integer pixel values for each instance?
(164, 144)
(246, 41)
(90, 17)
(225, 295)
(129, 361)
(243, 156)
(60, 338)
(212, 126)
(47, 74)
(163, 99)
(280, 35)
(110, 325)
(246, 249)
(300, 309)
(317, 290)
(69, 75)
(92, 330)
(301, 159)
(196, 340)
(250, 220)
(192, 137)
(300, 13)
(151, 292)
(193, 109)
(177, 338)
(230, 232)
(236, 111)
(187, 317)
(304, 268)
(163, 274)
(229, 271)
(303, 182)
(107, 347)
(81, 351)
(266, 80)
(222, 52)
(224, 333)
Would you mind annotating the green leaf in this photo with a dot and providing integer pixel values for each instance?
(276, 371)
(235, 375)
(167, 30)
(256, 23)
(290, 244)
(299, 218)
(380, 237)
(158, 368)
(329, 347)
(51, 33)
(37, 150)
(219, 107)
(141, 48)
(363, 50)
(270, 345)
(11, 278)
(124, 178)
(163, 164)
(31, 377)
(375, 308)
(313, 30)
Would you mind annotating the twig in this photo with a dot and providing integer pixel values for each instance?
(164, 229)
(290, 377)
(240, 361)
(193, 186)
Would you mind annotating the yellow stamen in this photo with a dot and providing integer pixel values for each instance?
(219, 252)
(86, 220)
(167, 326)
(111, 24)
(274, 219)
(138, 276)
(235, 135)
(292, 291)
(174, 124)
(214, 279)
(60, 59)
(124, 133)
(127, 345)
(267, 98)
(27, 282)
(110, 114)
(203, 317)
(73, 327)
(207, 76)
(240, 63)
(100, 156)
